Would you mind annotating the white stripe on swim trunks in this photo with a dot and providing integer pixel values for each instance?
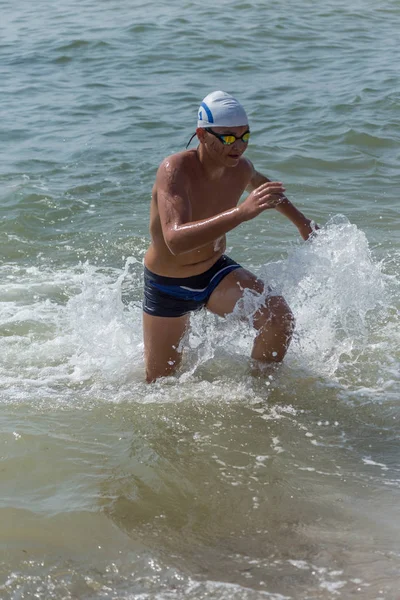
(183, 287)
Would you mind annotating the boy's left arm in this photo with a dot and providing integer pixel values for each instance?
(305, 226)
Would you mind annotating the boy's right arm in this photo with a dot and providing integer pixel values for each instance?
(181, 234)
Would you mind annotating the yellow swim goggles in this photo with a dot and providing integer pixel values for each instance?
(228, 139)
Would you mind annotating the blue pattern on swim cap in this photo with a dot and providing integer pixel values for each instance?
(208, 111)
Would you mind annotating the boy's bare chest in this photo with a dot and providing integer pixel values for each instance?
(209, 199)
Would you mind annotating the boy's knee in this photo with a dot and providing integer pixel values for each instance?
(276, 313)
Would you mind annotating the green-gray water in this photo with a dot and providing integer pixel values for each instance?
(212, 484)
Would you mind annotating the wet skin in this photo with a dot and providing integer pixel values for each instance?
(194, 205)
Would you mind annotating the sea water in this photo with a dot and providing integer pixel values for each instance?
(213, 483)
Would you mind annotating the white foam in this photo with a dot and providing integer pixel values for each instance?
(368, 461)
(339, 296)
(70, 329)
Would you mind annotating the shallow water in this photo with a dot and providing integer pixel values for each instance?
(213, 483)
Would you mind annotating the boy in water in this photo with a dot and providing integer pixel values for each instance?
(194, 205)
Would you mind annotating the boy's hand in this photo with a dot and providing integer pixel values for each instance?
(268, 195)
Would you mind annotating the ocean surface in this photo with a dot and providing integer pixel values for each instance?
(214, 483)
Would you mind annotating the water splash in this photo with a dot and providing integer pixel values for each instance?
(337, 293)
(81, 328)
(107, 333)
(341, 299)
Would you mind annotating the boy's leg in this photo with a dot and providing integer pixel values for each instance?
(273, 321)
(162, 336)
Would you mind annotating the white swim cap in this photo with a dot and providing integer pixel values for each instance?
(220, 109)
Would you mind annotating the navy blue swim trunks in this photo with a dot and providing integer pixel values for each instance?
(177, 296)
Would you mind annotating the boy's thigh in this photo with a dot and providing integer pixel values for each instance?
(163, 333)
(231, 289)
